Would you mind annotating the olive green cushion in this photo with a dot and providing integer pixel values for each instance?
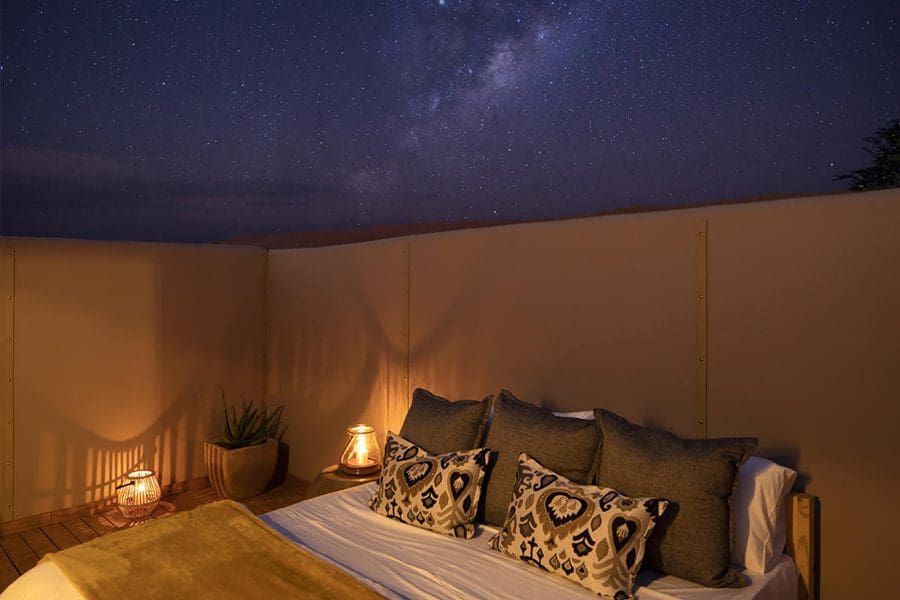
(440, 426)
(693, 538)
(567, 446)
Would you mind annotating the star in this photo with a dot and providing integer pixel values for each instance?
(317, 117)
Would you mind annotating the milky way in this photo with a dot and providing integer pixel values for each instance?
(197, 121)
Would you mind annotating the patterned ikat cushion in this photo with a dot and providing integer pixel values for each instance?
(439, 493)
(591, 535)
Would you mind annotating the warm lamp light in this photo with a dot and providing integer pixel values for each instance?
(139, 496)
(362, 455)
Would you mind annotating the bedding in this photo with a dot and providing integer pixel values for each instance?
(567, 446)
(436, 492)
(693, 539)
(218, 549)
(759, 509)
(585, 415)
(440, 426)
(590, 535)
(399, 561)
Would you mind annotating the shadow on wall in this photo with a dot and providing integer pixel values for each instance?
(212, 328)
(469, 342)
(463, 336)
(441, 360)
(83, 467)
(337, 357)
(569, 317)
(120, 352)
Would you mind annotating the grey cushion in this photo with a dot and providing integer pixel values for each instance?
(440, 426)
(567, 446)
(692, 539)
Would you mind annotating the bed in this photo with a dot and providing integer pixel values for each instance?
(399, 561)
(716, 488)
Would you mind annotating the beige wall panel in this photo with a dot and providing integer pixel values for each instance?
(337, 352)
(805, 354)
(803, 338)
(570, 315)
(120, 352)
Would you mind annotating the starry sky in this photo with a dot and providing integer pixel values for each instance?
(198, 121)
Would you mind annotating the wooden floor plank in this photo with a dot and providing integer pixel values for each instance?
(8, 571)
(115, 517)
(60, 536)
(204, 496)
(39, 543)
(21, 555)
(80, 530)
(290, 492)
(99, 524)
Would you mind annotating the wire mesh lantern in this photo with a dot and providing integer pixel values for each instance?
(139, 496)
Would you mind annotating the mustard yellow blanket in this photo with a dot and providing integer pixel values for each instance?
(217, 550)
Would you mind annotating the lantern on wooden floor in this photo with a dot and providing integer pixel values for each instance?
(362, 455)
(139, 495)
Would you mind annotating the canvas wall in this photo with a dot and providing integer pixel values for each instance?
(801, 349)
(120, 349)
(337, 345)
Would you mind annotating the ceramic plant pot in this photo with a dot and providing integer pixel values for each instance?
(242, 472)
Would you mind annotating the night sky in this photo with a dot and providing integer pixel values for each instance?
(197, 121)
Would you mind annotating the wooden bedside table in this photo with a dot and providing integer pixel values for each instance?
(332, 479)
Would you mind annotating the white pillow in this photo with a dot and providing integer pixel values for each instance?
(758, 507)
(584, 415)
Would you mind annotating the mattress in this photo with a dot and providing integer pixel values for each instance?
(401, 561)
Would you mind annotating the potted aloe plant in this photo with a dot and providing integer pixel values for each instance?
(242, 462)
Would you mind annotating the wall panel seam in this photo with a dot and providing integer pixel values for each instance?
(265, 326)
(7, 370)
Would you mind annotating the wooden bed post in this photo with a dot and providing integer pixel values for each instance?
(802, 543)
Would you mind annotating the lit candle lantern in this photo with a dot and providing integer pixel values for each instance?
(139, 495)
(362, 455)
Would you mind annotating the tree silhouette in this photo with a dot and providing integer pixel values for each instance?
(884, 148)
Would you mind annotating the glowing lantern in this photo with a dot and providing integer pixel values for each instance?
(362, 455)
(139, 496)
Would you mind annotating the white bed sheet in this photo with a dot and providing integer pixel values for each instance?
(401, 561)
(43, 581)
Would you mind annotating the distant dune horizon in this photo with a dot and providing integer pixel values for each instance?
(336, 236)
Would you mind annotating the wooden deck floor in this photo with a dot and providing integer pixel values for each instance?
(22, 550)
